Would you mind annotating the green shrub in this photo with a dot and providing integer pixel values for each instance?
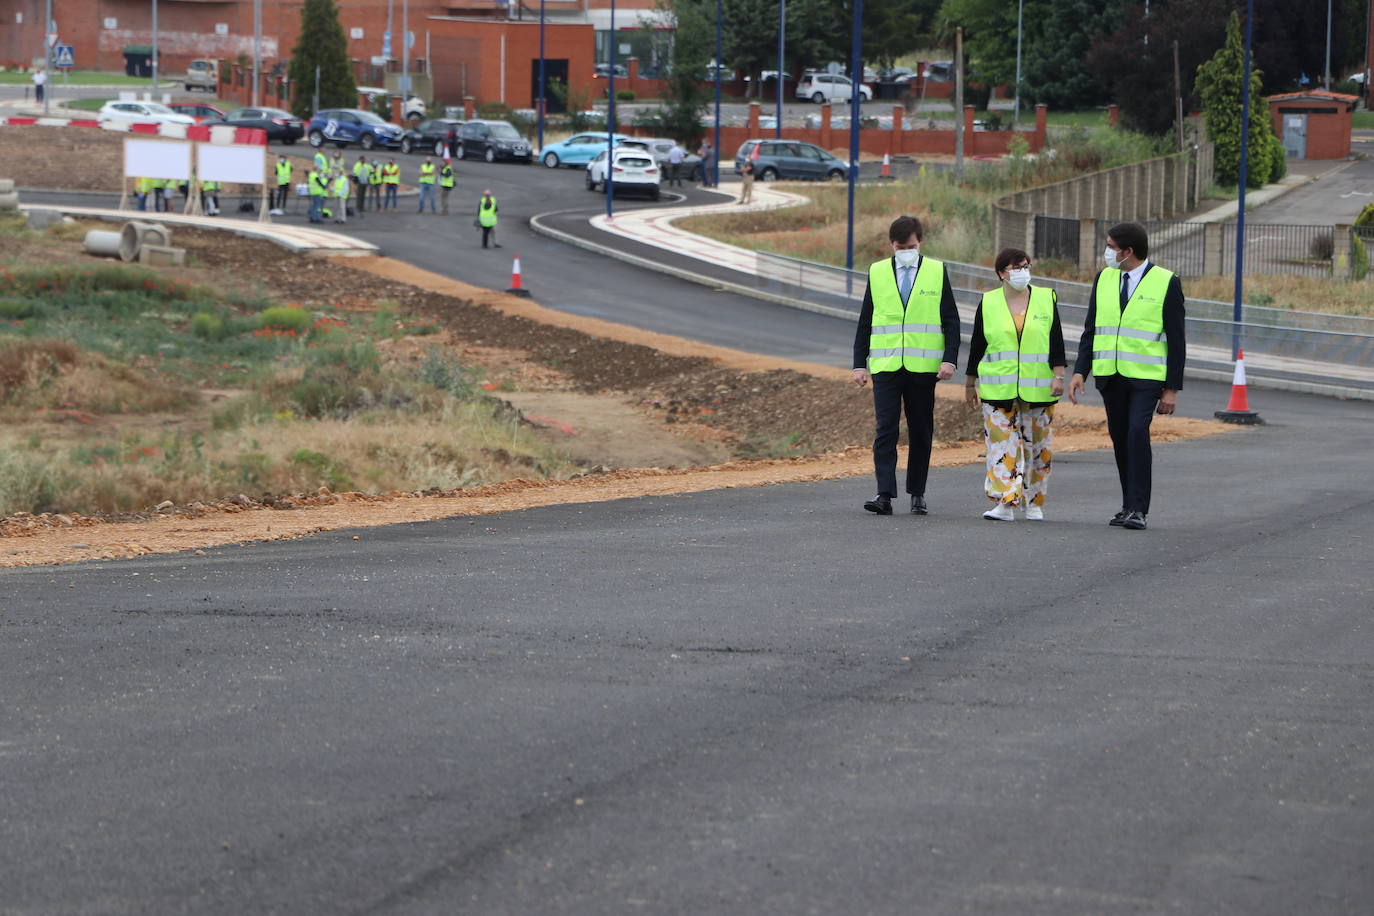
(624, 95)
(1359, 258)
(208, 327)
(1366, 217)
(288, 318)
(16, 309)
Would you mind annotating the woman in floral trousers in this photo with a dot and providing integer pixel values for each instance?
(1016, 371)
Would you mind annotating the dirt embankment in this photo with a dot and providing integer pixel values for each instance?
(616, 397)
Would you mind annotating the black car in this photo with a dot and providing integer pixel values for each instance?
(432, 136)
(493, 140)
(280, 125)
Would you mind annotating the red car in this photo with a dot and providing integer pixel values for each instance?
(198, 110)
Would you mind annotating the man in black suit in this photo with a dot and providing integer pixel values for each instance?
(907, 339)
(1133, 342)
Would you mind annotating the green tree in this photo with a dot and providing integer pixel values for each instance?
(1057, 36)
(689, 48)
(321, 44)
(1220, 87)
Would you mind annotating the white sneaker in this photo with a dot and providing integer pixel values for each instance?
(1035, 514)
(1000, 513)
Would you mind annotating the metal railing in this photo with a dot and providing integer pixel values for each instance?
(1339, 340)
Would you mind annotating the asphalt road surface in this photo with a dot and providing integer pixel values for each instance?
(750, 701)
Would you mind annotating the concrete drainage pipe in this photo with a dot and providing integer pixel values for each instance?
(137, 234)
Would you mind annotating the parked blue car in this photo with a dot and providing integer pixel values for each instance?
(577, 150)
(342, 126)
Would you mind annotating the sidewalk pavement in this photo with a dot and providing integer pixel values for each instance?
(303, 240)
(655, 227)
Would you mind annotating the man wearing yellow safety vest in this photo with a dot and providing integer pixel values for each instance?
(362, 178)
(374, 178)
(907, 339)
(341, 195)
(321, 162)
(1133, 341)
(209, 198)
(143, 188)
(486, 218)
(391, 177)
(1016, 369)
(446, 183)
(427, 185)
(318, 183)
(283, 189)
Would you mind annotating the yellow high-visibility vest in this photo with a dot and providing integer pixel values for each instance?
(1017, 366)
(906, 335)
(1131, 343)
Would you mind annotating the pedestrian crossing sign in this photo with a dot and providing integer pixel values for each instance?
(64, 56)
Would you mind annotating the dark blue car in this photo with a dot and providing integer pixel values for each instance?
(342, 126)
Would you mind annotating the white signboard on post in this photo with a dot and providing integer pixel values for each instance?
(159, 159)
(239, 164)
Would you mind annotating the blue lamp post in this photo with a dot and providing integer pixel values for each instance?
(855, 109)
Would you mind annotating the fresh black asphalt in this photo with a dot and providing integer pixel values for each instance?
(745, 701)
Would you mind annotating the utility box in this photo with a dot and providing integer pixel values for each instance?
(1314, 124)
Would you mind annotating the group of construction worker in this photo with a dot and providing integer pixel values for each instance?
(159, 193)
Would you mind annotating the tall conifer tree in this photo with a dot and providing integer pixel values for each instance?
(321, 43)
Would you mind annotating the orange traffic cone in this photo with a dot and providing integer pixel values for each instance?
(515, 288)
(1238, 410)
(887, 167)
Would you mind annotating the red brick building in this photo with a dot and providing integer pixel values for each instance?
(1314, 124)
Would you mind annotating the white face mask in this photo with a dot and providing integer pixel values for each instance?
(1019, 278)
(1109, 255)
(907, 256)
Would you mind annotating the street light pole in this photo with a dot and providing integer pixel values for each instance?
(1327, 81)
(1020, 9)
(855, 110)
(257, 49)
(47, 57)
(715, 171)
(1240, 185)
(782, 32)
(610, 124)
(543, 98)
(154, 49)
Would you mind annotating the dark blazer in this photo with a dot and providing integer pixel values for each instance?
(978, 344)
(1173, 336)
(949, 322)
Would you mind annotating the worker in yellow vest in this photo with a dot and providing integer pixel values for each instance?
(1016, 369)
(341, 195)
(362, 178)
(374, 177)
(143, 188)
(209, 198)
(391, 177)
(907, 340)
(283, 188)
(447, 180)
(158, 188)
(486, 218)
(427, 171)
(1133, 342)
(318, 183)
(321, 162)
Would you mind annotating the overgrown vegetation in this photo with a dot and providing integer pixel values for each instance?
(104, 372)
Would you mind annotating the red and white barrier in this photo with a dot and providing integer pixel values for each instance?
(218, 134)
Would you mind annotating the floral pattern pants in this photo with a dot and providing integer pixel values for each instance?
(1020, 443)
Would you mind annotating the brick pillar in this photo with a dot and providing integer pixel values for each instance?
(1087, 245)
(894, 142)
(632, 68)
(397, 116)
(753, 119)
(1113, 114)
(1340, 253)
(1041, 116)
(825, 125)
(364, 102)
(1211, 249)
(469, 108)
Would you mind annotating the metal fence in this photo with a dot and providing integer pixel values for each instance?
(1342, 341)
(1270, 249)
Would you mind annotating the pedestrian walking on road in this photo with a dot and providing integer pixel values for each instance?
(708, 164)
(427, 171)
(40, 84)
(1133, 342)
(675, 157)
(446, 183)
(907, 339)
(1016, 369)
(486, 218)
(746, 172)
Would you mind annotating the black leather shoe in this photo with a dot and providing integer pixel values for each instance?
(918, 506)
(880, 505)
(1134, 521)
(1119, 519)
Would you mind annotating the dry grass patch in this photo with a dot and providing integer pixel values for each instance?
(1299, 294)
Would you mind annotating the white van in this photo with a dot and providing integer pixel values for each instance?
(202, 74)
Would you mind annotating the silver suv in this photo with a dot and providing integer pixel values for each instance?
(830, 87)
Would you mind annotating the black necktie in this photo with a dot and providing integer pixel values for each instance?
(1125, 284)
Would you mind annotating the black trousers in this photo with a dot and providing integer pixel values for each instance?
(893, 391)
(279, 196)
(488, 234)
(361, 203)
(1130, 409)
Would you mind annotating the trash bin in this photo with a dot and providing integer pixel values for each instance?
(138, 60)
